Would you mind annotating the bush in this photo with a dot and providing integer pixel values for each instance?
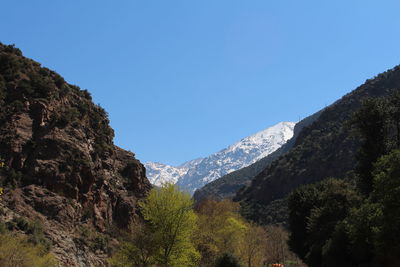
(17, 251)
(33, 229)
(228, 260)
(86, 94)
(67, 117)
(17, 106)
(87, 236)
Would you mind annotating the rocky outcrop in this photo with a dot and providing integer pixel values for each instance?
(61, 166)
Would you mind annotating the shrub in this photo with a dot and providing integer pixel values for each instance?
(17, 106)
(228, 260)
(17, 251)
(34, 230)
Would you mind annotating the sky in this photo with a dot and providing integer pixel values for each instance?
(182, 79)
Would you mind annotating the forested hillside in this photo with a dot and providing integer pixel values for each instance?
(355, 223)
(326, 148)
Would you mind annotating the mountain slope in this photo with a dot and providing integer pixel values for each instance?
(324, 149)
(61, 169)
(160, 173)
(228, 185)
(241, 154)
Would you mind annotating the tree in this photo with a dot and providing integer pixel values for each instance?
(221, 230)
(138, 250)
(228, 260)
(386, 197)
(371, 121)
(253, 246)
(315, 211)
(277, 249)
(394, 113)
(172, 222)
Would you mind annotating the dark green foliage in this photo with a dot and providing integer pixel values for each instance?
(42, 83)
(371, 123)
(325, 148)
(275, 213)
(67, 117)
(58, 80)
(386, 197)
(86, 94)
(330, 228)
(101, 242)
(65, 90)
(315, 211)
(228, 260)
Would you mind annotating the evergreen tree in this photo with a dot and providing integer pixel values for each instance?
(371, 121)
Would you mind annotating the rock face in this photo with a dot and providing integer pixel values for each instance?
(61, 166)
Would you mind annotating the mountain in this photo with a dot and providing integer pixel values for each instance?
(160, 173)
(197, 173)
(228, 185)
(62, 175)
(325, 148)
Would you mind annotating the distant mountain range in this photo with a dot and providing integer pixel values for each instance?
(228, 185)
(196, 173)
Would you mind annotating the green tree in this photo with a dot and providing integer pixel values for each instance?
(172, 222)
(315, 211)
(386, 196)
(138, 250)
(371, 121)
(394, 113)
(221, 230)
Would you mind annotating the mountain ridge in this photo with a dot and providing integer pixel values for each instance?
(324, 149)
(228, 185)
(238, 155)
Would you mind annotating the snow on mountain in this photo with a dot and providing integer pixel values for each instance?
(196, 173)
(159, 173)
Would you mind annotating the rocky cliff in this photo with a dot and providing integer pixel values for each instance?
(61, 169)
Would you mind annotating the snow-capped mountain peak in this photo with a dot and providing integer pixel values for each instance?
(196, 173)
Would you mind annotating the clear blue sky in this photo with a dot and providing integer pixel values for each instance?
(183, 79)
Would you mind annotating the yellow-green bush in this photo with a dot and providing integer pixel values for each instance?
(16, 251)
